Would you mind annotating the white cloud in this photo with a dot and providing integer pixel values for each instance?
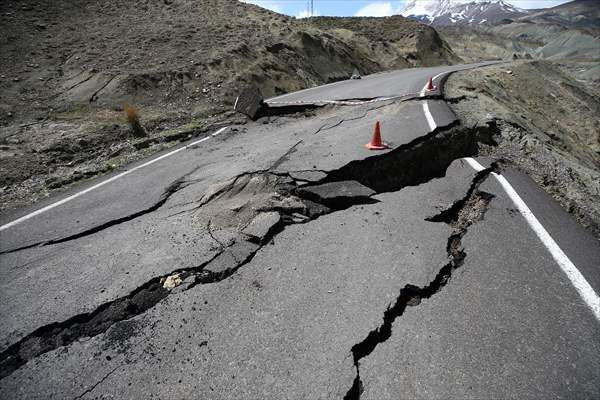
(268, 4)
(306, 14)
(376, 9)
(535, 3)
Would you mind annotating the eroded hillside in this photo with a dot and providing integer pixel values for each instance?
(68, 68)
(104, 52)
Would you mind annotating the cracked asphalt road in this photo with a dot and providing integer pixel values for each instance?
(305, 267)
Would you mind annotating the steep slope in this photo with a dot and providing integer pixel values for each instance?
(395, 42)
(556, 41)
(102, 52)
(478, 44)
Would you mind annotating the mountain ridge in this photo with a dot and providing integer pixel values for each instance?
(451, 12)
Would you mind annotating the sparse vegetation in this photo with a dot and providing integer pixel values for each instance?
(133, 118)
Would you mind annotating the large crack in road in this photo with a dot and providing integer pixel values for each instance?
(289, 202)
(461, 215)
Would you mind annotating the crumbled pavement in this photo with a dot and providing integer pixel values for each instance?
(488, 334)
(85, 273)
(285, 264)
(299, 297)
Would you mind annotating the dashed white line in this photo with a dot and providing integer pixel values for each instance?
(428, 116)
(582, 286)
(109, 180)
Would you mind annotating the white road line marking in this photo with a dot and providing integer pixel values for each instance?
(577, 279)
(429, 117)
(473, 163)
(112, 179)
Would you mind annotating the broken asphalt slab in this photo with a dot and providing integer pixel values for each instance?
(84, 273)
(262, 225)
(284, 324)
(146, 258)
(336, 194)
(209, 162)
(508, 324)
(423, 154)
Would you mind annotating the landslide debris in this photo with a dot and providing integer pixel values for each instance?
(548, 123)
(69, 68)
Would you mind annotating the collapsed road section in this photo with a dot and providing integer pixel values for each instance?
(272, 202)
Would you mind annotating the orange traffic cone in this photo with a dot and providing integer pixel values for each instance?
(376, 143)
(430, 87)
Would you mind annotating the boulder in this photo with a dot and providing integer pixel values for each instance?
(249, 102)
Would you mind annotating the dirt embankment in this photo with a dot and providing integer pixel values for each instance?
(549, 122)
(68, 68)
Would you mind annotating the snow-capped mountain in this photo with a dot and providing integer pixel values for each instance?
(454, 12)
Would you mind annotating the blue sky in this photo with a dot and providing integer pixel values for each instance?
(377, 8)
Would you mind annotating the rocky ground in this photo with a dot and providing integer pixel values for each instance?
(548, 120)
(69, 68)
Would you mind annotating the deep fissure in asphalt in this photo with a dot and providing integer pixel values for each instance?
(419, 161)
(462, 214)
(415, 163)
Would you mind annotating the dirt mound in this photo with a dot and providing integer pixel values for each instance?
(549, 123)
(68, 68)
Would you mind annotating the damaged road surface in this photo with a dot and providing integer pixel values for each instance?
(284, 260)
